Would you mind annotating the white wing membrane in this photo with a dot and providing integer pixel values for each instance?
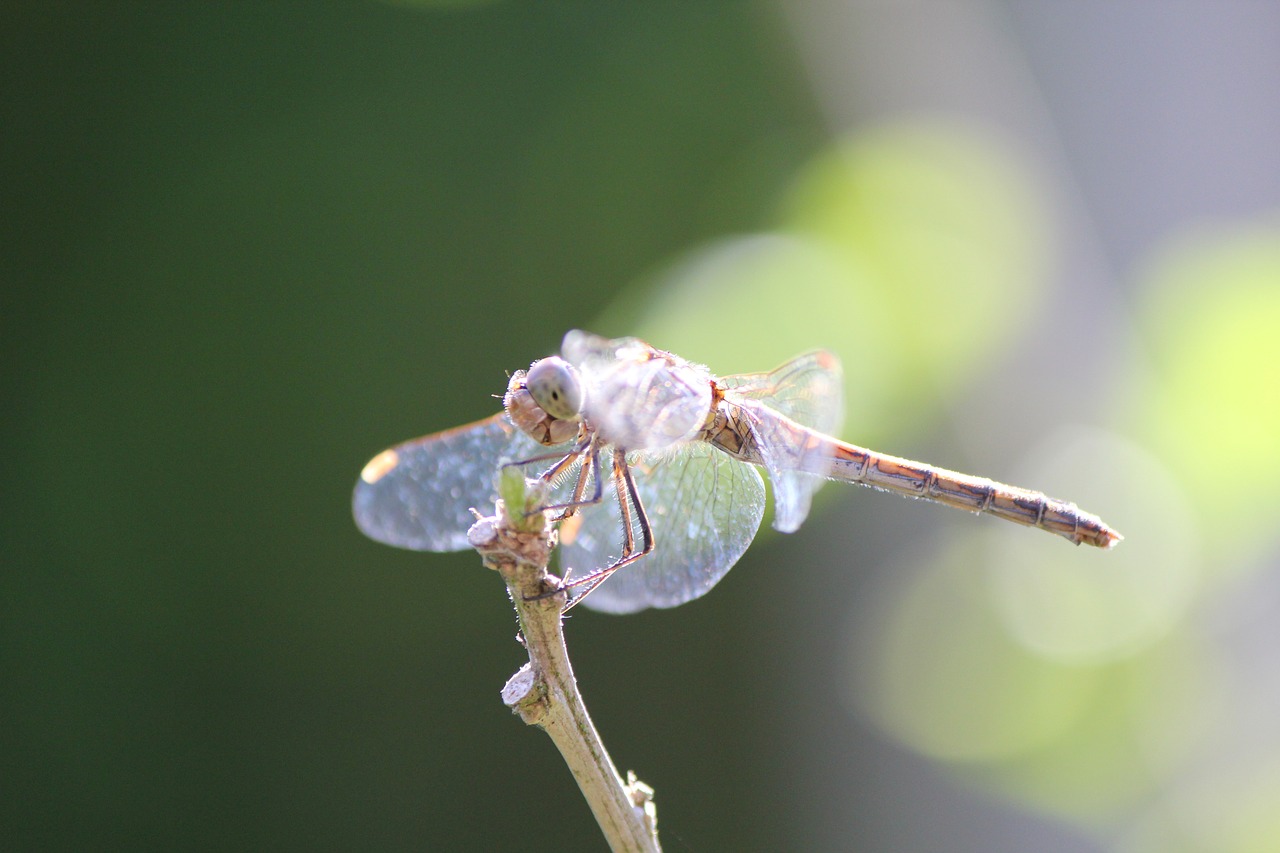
(419, 494)
(808, 390)
(704, 509)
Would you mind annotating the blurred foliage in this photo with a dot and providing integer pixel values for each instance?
(951, 230)
(1083, 686)
(881, 254)
(1209, 313)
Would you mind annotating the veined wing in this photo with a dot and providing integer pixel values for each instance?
(704, 507)
(638, 397)
(419, 494)
(808, 390)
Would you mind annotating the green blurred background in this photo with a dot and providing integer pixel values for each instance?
(246, 247)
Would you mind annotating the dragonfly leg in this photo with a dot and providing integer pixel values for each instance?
(591, 463)
(564, 459)
(590, 467)
(622, 478)
(562, 465)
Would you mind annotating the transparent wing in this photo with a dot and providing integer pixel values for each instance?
(419, 494)
(808, 390)
(638, 397)
(595, 353)
(704, 508)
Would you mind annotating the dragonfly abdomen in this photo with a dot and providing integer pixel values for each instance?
(976, 494)
(740, 429)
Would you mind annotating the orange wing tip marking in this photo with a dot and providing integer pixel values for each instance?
(379, 466)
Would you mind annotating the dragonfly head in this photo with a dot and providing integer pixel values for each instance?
(555, 387)
(546, 401)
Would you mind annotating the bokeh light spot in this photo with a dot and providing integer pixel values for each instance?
(1211, 314)
(947, 224)
(945, 678)
(1081, 605)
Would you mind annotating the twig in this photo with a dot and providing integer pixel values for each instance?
(517, 542)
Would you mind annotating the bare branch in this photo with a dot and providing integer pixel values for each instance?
(517, 543)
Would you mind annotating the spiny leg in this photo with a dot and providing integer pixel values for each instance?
(565, 461)
(590, 468)
(629, 544)
(621, 476)
(587, 450)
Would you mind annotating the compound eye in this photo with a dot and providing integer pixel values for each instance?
(555, 387)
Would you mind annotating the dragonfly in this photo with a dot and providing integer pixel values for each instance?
(652, 466)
